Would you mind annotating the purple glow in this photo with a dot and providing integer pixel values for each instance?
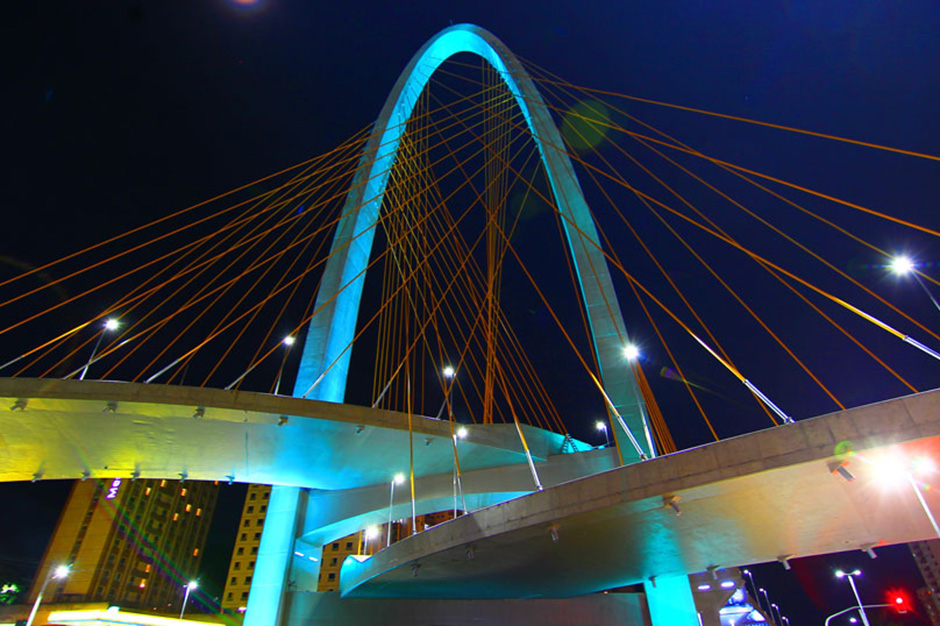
(113, 489)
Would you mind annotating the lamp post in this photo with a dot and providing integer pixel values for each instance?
(109, 324)
(190, 586)
(58, 573)
(603, 426)
(370, 533)
(460, 433)
(397, 480)
(288, 341)
(851, 576)
(902, 265)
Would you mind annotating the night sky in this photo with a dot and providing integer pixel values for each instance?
(115, 113)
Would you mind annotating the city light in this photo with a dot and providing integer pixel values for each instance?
(901, 265)
(289, 340)
(449, 372)
(189, 587)
(111, 324)
(462, 432)
(631, 352)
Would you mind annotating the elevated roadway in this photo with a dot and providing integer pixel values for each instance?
(759, 497)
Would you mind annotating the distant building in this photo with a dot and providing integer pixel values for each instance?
(927, 556)
(245, 553)
(133, 543)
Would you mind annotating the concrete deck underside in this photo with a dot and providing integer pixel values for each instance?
(750, 499)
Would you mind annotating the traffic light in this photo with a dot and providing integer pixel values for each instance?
(899, 600)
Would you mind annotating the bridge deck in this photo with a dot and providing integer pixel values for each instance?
(53, 428)
(749, 499)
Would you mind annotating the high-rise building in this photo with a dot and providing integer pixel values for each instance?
(134, 543)
(242, 566)
(927, 556)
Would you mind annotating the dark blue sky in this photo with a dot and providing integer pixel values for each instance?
(116, 112)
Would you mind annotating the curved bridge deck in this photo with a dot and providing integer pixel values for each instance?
(754, 498)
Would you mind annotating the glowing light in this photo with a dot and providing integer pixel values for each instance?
(399, 478)
(193, 584)
(891, 471)
(704, 587)
(600, 425)
(923, 465)
(111, 324)
(462, 433)
(841, 574)
(449, 372)
(631, 352)
(289, 341)
(901, 265)
(372, 532)
(61, 571)
(727, 584)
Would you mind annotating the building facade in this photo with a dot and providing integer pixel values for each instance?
(927, 556)
(241, 568)
(133, 543)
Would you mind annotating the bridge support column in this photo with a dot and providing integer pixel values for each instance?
(269, 583)
(670, 601)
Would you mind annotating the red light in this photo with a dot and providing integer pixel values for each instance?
(899, 601)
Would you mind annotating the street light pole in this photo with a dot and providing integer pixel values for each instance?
(851, 576)
(189, 587)
(603, 426)
(398, 479)
(288, 341)
(60, 572)
(109, 324)
(854, 608)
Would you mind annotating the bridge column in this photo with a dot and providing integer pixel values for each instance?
(670, 601)
(283, 521)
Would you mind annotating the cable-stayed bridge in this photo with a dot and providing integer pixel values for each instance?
(449, 186)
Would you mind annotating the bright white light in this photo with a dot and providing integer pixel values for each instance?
(448, 372)
(901, 265)
(462, 433)
(631, 352)
(852, 620)
(399, 478)
(372, 532)
(111, 324)
(891, 471)
(727, 584)
(841, 574)
(192, 585)
(61, 571)
(923, 465)
(704, 587)
(289, 341)
(600, 425)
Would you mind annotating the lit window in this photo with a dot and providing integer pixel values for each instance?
(163, 483)
(183, 492)
(198, 512)
(196, 552)
(143, 583)
(147, 491)
(176, 516)
(147, 568)
(189, 508)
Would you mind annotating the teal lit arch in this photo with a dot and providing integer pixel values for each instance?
(333, 328)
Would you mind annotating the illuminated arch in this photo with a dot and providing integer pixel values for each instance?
(332, 330)
(337, 303)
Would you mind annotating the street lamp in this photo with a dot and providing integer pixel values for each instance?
(59, 573)
(109, 324)
(631, 352)
(397, 480)
(603, 426)
(370, 533)
(190, 586)
(851, 576)
(893, 469)
(902, 265)
(288, 341)
(460, 433)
